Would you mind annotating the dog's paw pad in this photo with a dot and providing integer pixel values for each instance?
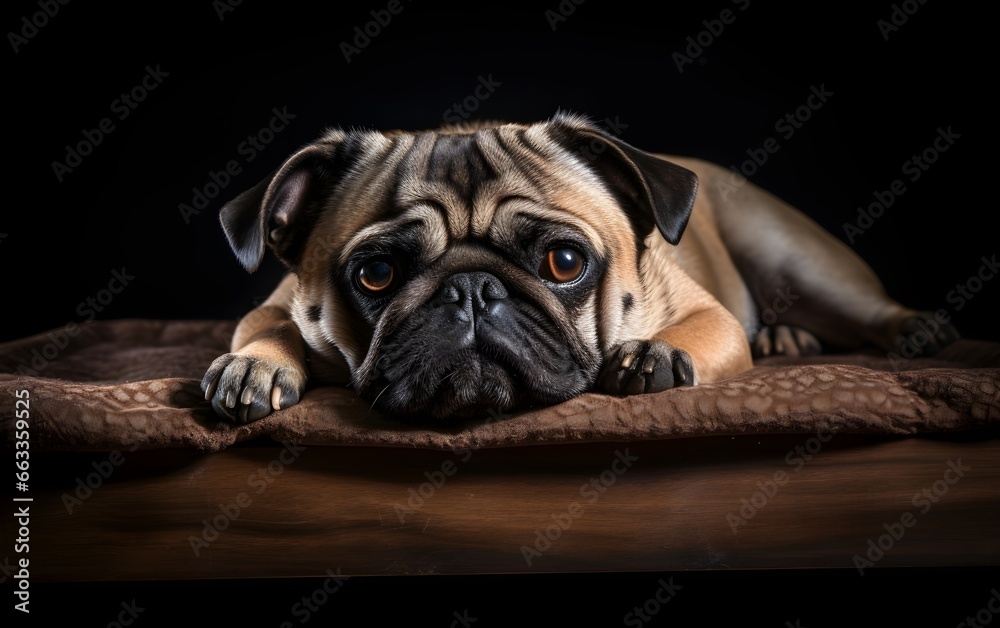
(645, 366)
(785, 340)
(923, 335)
(245, 388)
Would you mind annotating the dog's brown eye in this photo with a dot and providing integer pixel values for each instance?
(377, 275)
(562, 264)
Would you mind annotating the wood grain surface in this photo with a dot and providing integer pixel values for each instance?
(638, 506)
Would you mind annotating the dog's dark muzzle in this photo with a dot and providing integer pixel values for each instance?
(473, 346)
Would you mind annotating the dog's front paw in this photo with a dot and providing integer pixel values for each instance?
(645, 366)
(246, 388)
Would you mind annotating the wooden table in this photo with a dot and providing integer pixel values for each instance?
(639, 510)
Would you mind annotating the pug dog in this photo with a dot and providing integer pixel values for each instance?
(498, 266)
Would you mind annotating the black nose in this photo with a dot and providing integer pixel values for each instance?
(472, 291)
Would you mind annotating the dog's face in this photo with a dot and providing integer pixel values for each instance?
(451, 272)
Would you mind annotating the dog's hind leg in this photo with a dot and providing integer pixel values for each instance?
(802, 276)
(785, 340)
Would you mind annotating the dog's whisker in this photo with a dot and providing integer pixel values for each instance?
(375, 400)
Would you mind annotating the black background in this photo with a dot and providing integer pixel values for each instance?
(119, 208)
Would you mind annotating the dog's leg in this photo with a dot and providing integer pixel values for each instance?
(699, 342)
(267, 369)
(802, 276)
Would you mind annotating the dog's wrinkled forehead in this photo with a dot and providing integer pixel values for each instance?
(457, 165)
(461, 184)
(475, 184)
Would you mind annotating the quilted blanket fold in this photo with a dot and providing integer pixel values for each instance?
(134, 384)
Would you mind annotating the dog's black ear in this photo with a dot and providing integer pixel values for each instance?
(281, 210)
(653, 190)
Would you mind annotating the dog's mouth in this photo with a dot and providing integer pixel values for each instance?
(466, 384)
(448, 361)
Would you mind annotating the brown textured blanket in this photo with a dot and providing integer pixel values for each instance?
(135, 384)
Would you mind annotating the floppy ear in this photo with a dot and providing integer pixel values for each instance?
(281, 210)
(653, 190)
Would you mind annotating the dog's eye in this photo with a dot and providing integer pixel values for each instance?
(377, 275)
(561, 265)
